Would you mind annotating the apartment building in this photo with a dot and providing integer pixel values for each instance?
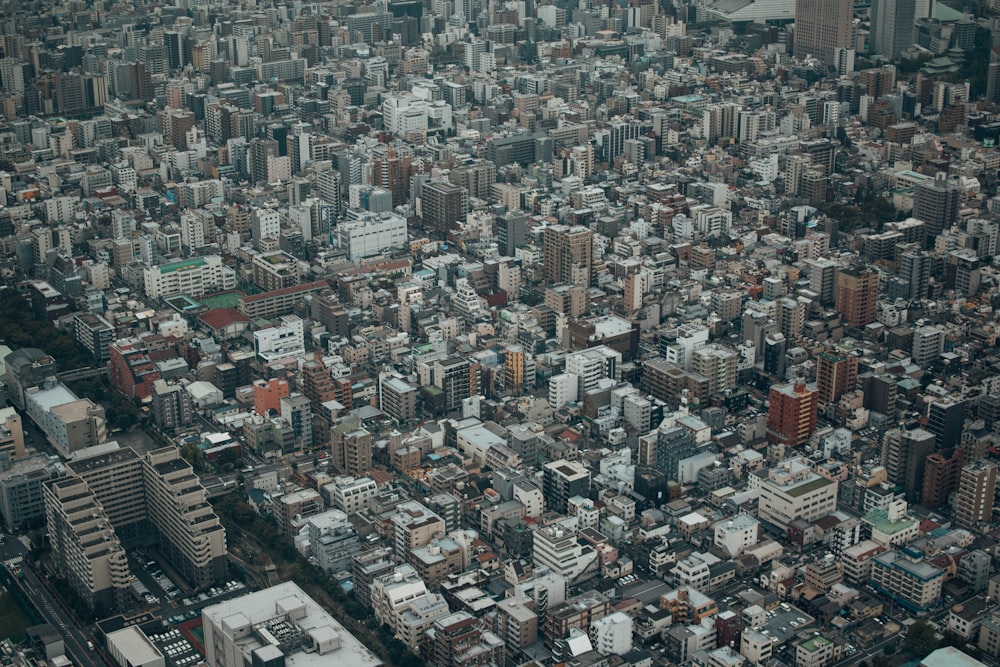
(85, 549)
(190, 535)
(22, 503)
(414, 526)
(908, 578)
(401, 600)
(193, 277)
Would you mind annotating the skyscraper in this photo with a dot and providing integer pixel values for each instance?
(836, 374)
(442, 205)
(823, 26)
(892, 26)
(567, 254)
(904, 454)
(935, 202)
(976, 488)
(791, 416)
(856, 295)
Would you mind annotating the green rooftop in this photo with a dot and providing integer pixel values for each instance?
(879, 520)
(184, 265)
(808, 487)
(814, 644)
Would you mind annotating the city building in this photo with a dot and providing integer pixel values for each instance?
(280, 623)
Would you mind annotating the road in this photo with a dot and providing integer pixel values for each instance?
(49, 608)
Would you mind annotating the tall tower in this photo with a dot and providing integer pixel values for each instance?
(856, 295)
(791, 416)
(935, 202)
(976, 488)
(567, 254)
(836, 374)
(892, 26)
(823, 26)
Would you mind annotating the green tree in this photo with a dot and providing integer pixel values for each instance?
(921, 639)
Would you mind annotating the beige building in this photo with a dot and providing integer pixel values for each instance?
(414, 526)
(817, 651)
(793, 491)
(11, 433)
(908, 578)
(85, 547)
(190, 534)
(401, 600)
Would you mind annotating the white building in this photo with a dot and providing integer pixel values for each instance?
(257, 629)
(736, 534)
(194, 277)
(371, 234)
(284, 341)
(558, 549)
(402, 114)
(350, 494)
(612, 635)
(563, 389)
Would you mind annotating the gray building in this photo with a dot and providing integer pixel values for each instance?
(22, 504)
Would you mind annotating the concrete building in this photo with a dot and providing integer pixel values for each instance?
(793, 491)
(736, 534)
(279, 625)
(559, 549)
(905, 576)
(791, 416)
(194, 277)
(976, 491)
(822, 27)
(22, 503)
(85, 548)
(561, 480)
(130, 647)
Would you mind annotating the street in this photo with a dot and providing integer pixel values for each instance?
(35, 590)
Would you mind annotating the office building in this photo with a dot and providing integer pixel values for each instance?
(567, 255)
(193, 277)
(400, 599)
(822, 27)
(935, 203)
(904, 455)
(976, 489)
(413, 526)
(892, 27)
(562, 480)
(791, 491)
(945, 418)
(791, 415)
(856, 295)
(717, 363)
(673, 445)
(95, 334)
(274, 270)
(275, 625)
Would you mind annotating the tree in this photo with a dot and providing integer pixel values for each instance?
(921, 639)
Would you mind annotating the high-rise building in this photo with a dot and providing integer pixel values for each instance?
(892, 27)
(774, 353)
(85, 548)
(935, 203)
(791, 416)
(823, 26)
(941, 474)
(718, 364)
(976, 489)
(857, 295)
(945, 417)
(392, 172)
(836, 374)
(673, 445)
(567, 254)
(172, 405)
(351, 449)
(561, 480)
(511, 229)
(822, 278)
(458, 378)
(442, 204)
(397, 398)
(993, 76)
(904, 455)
